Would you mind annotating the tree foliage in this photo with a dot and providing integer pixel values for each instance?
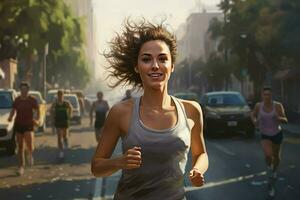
(26, 26)
(262, 35)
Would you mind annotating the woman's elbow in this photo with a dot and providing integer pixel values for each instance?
(94, 168)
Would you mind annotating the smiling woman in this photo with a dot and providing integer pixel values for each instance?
(157, 130)
(125, 51)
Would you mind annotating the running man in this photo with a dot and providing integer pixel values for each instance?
(100, 107)
(268, 115)
(127, 95)
(24, 107)
(61, 112)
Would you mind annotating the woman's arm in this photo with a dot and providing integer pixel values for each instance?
(102, 163)
(92, 113)
(70, 109)
(199, 155)
(281, 114)
(255, 113)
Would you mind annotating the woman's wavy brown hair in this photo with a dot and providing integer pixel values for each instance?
(125, 48)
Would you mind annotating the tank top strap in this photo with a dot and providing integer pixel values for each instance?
(135, 112)
(182, 116)
(274, 108)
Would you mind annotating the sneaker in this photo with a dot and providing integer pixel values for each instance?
(61, 154)
(272, 191)
(20, 171)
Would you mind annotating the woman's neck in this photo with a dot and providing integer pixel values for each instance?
(268, 103)
(156, 99)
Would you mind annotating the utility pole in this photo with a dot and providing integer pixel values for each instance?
(44, 70)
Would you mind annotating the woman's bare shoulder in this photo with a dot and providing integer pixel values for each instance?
(122, 108)
(192, 108)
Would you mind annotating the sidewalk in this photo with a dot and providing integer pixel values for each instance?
(291, 128)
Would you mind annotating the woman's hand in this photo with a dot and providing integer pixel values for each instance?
(132, 158)
(196, 177)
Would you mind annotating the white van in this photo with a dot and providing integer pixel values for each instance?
(7, 134)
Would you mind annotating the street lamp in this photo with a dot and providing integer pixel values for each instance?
(44, 70)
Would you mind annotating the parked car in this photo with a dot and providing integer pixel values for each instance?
(76, 115)
(51, 95)
(7, 134)
(226, 111)
(80, 95)
(89, 100)
(42, 108)
(187, 96)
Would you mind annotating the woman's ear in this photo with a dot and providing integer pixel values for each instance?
(173, 68)
(136, 70)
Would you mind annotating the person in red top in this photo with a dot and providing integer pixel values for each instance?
(24, 107)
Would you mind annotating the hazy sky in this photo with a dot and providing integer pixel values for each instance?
(111, 13)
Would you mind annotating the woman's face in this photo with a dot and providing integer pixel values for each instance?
(267, 96)
(154, 64)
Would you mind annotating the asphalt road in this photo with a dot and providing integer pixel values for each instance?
(51, 177)
(236, 171)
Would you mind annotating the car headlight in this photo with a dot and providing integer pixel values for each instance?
(213, 115)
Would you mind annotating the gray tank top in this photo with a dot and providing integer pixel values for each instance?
(268, 123)
(164, 156)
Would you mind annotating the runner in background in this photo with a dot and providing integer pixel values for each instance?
(268, 115)
(24, 107)
(61, 112)
(127, 95)
(100, 108)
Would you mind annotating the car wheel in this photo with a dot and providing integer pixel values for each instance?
(11, 146)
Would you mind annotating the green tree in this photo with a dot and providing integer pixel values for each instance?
(26, 26)
(254, 32)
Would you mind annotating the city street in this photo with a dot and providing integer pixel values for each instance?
(236, 170)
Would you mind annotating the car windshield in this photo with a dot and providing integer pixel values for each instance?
(186, 96)
(225, 100)
(6, 100)
(37, 97)
(50, 97)
(73, 100)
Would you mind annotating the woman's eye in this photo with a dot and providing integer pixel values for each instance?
(146, 59)
(163, 59)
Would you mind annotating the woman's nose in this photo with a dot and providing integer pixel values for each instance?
(155, 65)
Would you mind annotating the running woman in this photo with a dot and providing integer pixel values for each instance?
(100, 107)
(24, 107)
(156, 129)
(61, 111)
(268, 115)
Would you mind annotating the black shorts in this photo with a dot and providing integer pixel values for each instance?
(276, 139)
(21, 129)
(62, 125)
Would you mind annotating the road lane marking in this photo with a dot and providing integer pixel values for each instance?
(225, 182)
(97, 189)
(222, 148)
